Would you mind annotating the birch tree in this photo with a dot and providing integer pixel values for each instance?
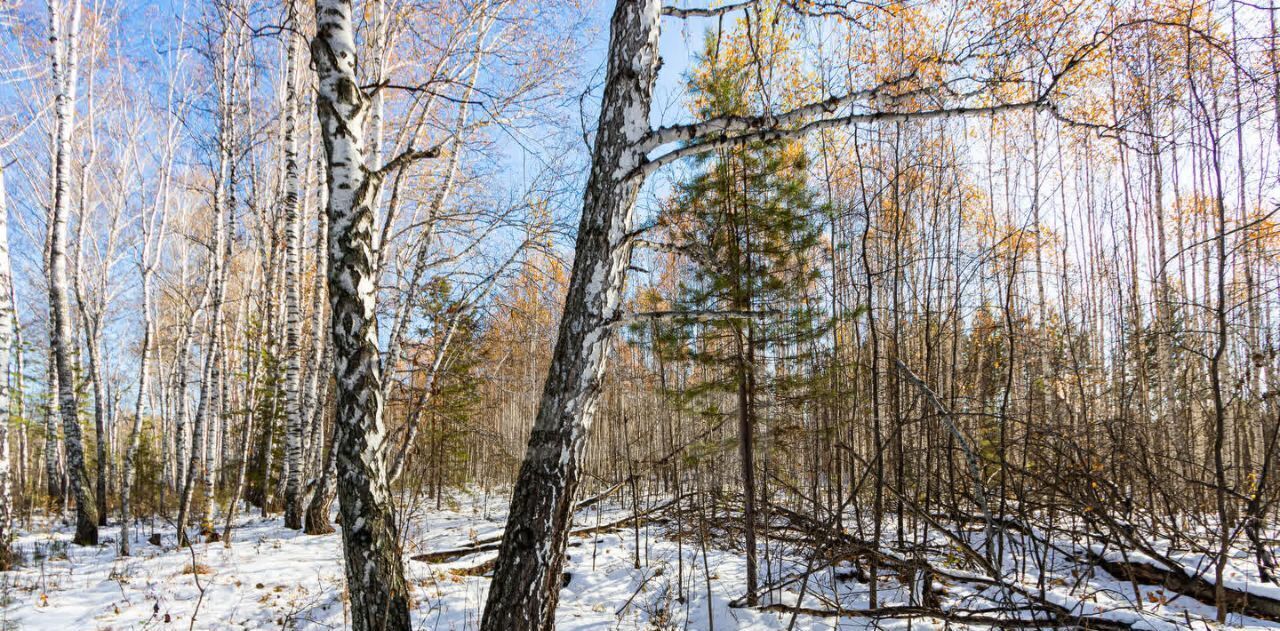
(375, 577)
(64, 58)
(7, 326)
(293, 508)
(153, 226)
(224, 201)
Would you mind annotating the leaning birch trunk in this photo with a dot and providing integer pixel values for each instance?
(150, 243)
(135, 432)
(222, 202)
(252, 367)
(293, 376)
(6, 349)
(318, 372)
(60, 335)
(93, 343)
(526, 579)
(90, 320)
(375, 576)
(180, 411)
(321, 461)
(23, 479)
(215, 424)
(198, 439)
(322, 487)
(52, 449)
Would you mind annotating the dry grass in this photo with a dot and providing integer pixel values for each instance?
(196, 568)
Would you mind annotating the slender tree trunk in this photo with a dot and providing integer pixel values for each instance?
(223, 206)
(150, 243)
(318, 380)
(7, 328)
(199, 433)
(93, 343)
(52, 468)
(184, 440)
(242, 466)
(24, 478)
(1225, 527)
(135, 432)
(60, 334)
(746, 445)
(292, 378)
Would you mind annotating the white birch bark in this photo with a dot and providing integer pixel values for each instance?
(22, 478)
(7, 328)
(199, 426)
(527, 576)
(90, 306)
(321, 453)
(293, 321)
(223, 205)
(62, 339)
(184, 439)
(131, 451)
(318, 371)
(375, 577)
(153, 233)
(52, 445)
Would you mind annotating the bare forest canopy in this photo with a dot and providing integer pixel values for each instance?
(843, 273)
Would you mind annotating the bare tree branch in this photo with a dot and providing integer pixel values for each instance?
(698, 315)
(407, 157)
(677, 12)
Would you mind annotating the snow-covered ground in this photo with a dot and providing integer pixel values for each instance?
(271, 577)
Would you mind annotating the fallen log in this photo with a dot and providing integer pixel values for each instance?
(1194, 586)
(484, 567)
(956, 617)
(493, 543)
(1170, 576)
(595, 499)
(1062, 616)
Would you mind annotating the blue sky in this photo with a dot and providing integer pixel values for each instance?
(150, 26)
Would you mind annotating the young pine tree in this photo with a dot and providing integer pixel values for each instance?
(747, 223)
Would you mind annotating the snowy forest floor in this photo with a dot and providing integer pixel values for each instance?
(271, 577)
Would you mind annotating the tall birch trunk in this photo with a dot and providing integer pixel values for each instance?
(223, 207)
(375, 577)
(318, 371)
(135, 432)
(7, 328)
(150, 243)
(22, 479)
(293, 377)
(317, 516)
(60, 334)
(90, 312)
(322, 495)
(93, 343)
(526, 580)
(182, 436)
(199, 428)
